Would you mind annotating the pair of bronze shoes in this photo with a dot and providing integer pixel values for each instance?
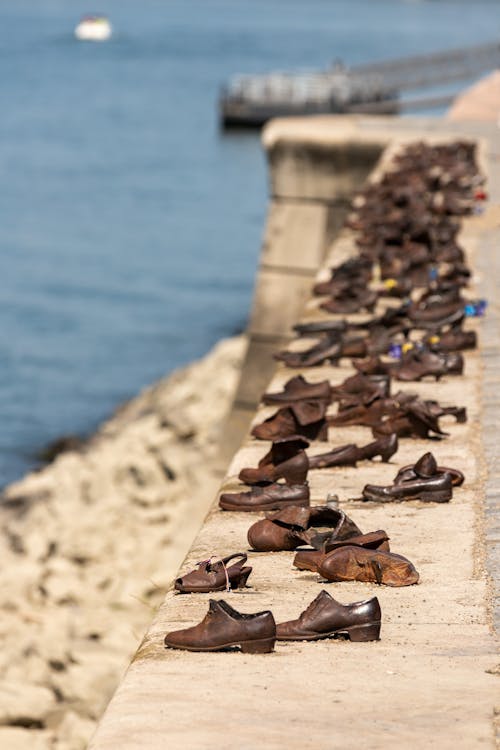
(366, 558)
(293, 527)
(303, 411)
(223, 627)
(304, 405)
(286, 460)
(424, 481)
(341, 552)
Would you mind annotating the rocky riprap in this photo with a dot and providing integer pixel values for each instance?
(89, 545)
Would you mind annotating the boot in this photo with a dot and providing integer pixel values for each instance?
(286, 460)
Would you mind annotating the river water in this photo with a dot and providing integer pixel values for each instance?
(130, 225)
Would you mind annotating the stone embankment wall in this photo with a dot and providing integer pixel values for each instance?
(310, 193)
(89, 545)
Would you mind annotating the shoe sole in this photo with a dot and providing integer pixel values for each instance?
(356, 633)
(307, 564)
(267, 506)
(428, 497)
(303, 566)
(261, 646)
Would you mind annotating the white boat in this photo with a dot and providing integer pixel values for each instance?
(93, 29)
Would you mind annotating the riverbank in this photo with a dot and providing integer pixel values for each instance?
(90, 544)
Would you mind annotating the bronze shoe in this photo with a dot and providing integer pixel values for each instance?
(351, 300)
(364, 388)
(459, 412)
(365, 415)
(325, 617)
(371, 566)
(271, 497)
(320, 326)
(373, 366)
(435, 489)
(417, 365)
(454, 340)
(215, 576)
(427, 467)
(344, 455)
(304, 418)
(286, 460)
(306, 559)
(434, 313)
(293, 527)
(356, 270)
(224, 627)
(385, 447)
(348, 455)
(414, 419)
(328, 348)
(299, 389)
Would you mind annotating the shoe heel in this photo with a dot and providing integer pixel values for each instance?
(444, 496)
(361, 633)
(241, 581)
(262, 646)
(387, 454)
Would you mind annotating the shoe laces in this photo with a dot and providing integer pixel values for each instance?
(312, 607)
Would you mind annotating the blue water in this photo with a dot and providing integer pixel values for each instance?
(130, 226)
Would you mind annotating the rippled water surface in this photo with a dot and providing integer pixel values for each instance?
(130, 226)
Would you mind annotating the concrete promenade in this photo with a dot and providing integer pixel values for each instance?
(432, 679)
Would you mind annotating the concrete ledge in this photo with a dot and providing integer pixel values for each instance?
(430, 681)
